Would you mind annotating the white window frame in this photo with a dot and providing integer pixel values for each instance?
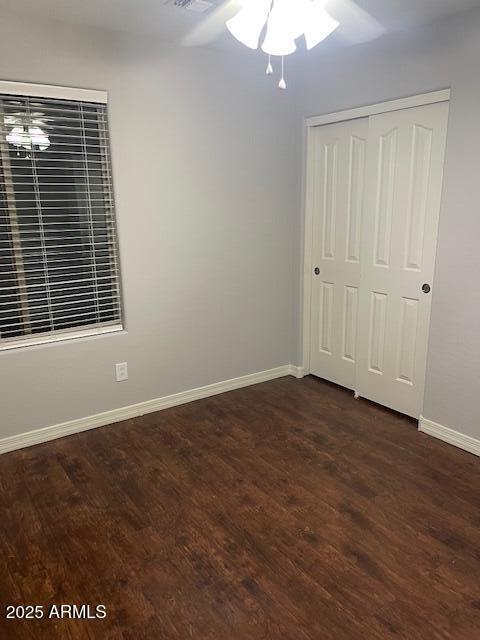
(52, 91)
(8, 87)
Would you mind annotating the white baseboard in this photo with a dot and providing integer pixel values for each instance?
(297, 372)
(63, 429)
(472, 445)
(38, 436)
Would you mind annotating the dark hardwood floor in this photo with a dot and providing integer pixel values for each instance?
(284, 511)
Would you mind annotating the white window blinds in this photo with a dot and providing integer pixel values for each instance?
(59, 267)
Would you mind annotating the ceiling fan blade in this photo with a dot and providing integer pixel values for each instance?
(356, 25)
(213, 25)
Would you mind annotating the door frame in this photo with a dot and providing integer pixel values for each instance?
(420, 100)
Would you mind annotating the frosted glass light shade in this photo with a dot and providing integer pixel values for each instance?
(291, 16)
(276, 44)
(318, 24)
(285, 23)
(247, 25)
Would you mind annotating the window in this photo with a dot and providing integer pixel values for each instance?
(59, 267)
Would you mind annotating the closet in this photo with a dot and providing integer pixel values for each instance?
(374, 194)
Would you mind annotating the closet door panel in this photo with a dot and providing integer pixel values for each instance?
(338, 175)
(404, 173)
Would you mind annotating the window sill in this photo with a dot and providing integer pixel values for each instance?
(65, 337)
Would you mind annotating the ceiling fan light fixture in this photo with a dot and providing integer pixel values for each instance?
(286, 21)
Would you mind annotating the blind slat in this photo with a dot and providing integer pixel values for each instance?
(69, 259)
(43, 159)
(68, 296)
(99, 328)
(52, 121)
(66, 323)
(54, 208)
(34, 225)
(58, 246)
(33, 256)
(102, 233)
(85, 288)
(43, 316)
(53, 283)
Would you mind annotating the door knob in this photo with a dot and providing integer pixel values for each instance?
(317, 271)
(426, 288)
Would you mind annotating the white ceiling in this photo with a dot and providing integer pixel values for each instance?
(398, 14)
(170, 24)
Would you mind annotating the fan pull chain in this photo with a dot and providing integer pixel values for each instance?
(282, 84)
(269, 70)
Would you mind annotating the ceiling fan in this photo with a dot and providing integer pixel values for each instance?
(276, 25)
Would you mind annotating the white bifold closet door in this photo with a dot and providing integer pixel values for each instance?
(378, 184)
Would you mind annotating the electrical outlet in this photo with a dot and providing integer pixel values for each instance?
(121, 371)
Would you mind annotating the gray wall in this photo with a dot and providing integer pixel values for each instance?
(205, 199)
(446, 54)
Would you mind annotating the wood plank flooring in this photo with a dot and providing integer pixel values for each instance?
(284, 511)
